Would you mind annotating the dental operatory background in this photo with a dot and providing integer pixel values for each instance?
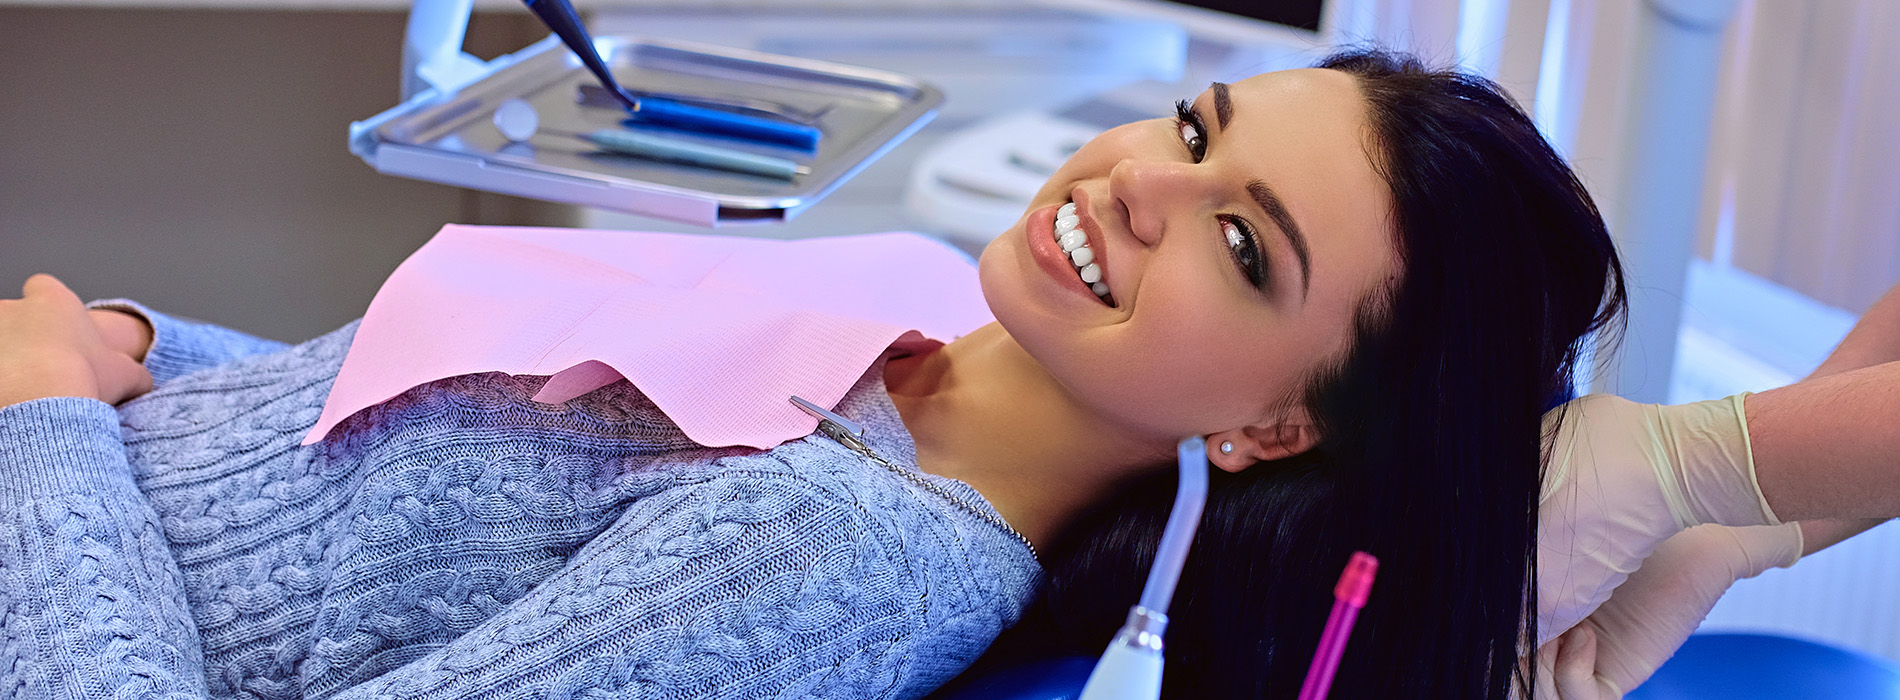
(191, 154)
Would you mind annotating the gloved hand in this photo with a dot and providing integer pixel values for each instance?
(1621, 645)
(1623, 478)
(1652, 613)
(1566, 668)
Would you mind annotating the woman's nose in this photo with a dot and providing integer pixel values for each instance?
(1153, 192)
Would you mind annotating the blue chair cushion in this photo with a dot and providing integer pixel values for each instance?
(1764, 667)
(1059, 678)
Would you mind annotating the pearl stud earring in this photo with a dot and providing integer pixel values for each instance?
(1227, 448)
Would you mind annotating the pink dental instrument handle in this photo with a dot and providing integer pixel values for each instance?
(1355, 584)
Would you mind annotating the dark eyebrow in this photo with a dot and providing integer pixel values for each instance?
(1268, 200)
(1276, 210)
(1223, 105)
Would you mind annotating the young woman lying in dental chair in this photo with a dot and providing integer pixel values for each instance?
(1364, 284)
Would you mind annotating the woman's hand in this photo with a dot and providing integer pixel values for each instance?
(50, 346)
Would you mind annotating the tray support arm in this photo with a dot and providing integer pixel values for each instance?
(432, 55)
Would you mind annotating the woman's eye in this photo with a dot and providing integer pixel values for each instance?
(1192, 137)
(1188, 126)
(1245, 250)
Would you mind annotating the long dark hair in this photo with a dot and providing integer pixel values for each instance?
(1432, 449)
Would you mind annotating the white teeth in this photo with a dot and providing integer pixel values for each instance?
(1075, 242)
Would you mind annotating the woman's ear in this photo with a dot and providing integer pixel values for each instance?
(1235, 450)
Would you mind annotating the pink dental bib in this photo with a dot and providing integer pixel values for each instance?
(718, 331)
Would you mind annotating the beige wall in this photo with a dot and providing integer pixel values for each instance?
(1810, 141)
(1806, 137)
(195, 160)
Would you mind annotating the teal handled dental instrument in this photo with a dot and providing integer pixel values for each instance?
(518, 122)
(560, 17)
(653, 147)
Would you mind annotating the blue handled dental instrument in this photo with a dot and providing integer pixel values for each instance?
(560, 17)
(598, 96)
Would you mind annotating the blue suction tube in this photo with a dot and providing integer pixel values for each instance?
(1131, 667)
(1183, 520)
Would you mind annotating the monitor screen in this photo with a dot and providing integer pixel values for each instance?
(1304, 14)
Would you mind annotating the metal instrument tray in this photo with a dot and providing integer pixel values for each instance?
(452, 139)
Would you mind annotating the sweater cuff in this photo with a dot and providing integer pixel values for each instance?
(181, 346)
(61, 445)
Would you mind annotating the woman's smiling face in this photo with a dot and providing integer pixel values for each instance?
(1235, 246)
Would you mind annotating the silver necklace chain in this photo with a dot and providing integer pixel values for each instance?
(844, 437)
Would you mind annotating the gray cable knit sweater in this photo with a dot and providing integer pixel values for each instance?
(463, 541)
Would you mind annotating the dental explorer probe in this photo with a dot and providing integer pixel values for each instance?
(559, 16)
(1131, 668)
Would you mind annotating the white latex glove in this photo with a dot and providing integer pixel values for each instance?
(1623, 478)
(1621, 645)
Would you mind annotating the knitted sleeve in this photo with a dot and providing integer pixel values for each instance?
(92, 605)
(181, 346)
(742, 586)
